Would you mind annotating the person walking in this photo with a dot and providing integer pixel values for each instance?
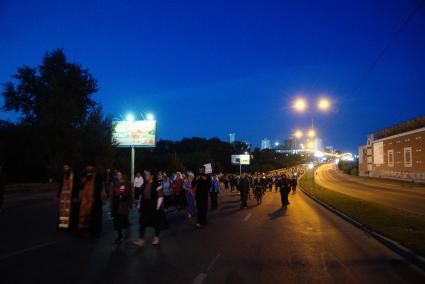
(259, 189)
(120, 205)
(214, 191)
(294, 183)
(189, 194)
(285, 188)
(226, 182)
(178, 191)
(151, 209)
(232, 182)
(90, 212)
(167, 191)
(244, 189)
(138, 182)
(202, 183)
(68, 199)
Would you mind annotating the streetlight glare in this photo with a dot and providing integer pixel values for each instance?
(311, 145)
(298, 134)
(300, 104)
(311, 133)
(150, 116)
(129, 117)
(324, 104)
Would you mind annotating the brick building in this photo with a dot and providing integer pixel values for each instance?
(397, 152)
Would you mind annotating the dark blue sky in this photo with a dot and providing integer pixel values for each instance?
(207, 68)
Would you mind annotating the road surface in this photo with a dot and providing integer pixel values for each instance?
(262, 244)
(409, 197)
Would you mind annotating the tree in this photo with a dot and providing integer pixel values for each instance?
(55, 102)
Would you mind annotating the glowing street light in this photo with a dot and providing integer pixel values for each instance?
(311, 133)
(298, 134)
(130, 117)
(324, 104)
(311, 145)
(300, 105)
(150, 116)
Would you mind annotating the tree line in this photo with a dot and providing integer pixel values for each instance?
(61, 123)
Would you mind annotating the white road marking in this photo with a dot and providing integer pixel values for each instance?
(201, 276)
(213, 262)
(3, 257)
(247, 217)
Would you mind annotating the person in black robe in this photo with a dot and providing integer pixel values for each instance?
(259, 190)
(244, 189)
(90, 211)
(202, 183)
(68, 199)
(285, 188)
(121, 202)
(151, 208)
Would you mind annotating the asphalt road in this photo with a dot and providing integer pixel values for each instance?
(409, 198)
(262, 244)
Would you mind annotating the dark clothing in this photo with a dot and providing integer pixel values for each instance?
(244, 189)
(202, 183)
(294, 184)
(258, 191)
(120, 205)
(137, 192)
(150, 216)
(226, 183)
(214, 203)
(232, 183)
(285, 188)
(2, 183)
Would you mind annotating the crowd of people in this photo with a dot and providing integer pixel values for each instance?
(153, 194)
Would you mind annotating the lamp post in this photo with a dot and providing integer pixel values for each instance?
(130, 118)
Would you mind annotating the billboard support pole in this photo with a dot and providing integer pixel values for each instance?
(133, 154)
(240, 169)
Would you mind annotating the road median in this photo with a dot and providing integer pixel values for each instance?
(401, 231)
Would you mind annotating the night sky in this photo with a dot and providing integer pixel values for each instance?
(208, 68)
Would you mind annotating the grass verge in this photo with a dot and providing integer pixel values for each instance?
(406, 228)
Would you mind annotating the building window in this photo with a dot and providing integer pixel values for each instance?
(390, 158)
(408, 157)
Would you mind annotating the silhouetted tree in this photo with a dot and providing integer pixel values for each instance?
(60, 121)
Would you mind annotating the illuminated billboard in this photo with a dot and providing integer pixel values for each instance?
(140, 133)
(241, 159)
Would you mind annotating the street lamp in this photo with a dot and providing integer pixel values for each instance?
(129, 117)
(298, 134)
(150, 116)
(311, 145)
(311, 133)
(300, 105)
(324, 104)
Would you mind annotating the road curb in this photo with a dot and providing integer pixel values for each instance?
(394, 246)
(28, 199)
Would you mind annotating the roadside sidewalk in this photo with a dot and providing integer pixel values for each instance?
(17, 199)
